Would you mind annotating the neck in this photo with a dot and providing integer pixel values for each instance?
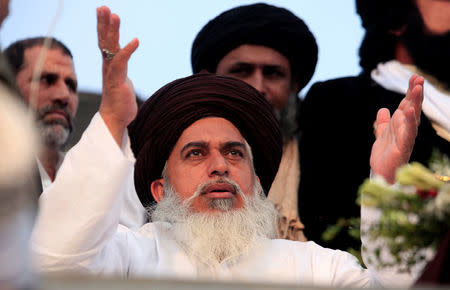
(49, 158)
(402, 54)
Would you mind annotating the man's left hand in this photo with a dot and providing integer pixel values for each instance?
(395, 136)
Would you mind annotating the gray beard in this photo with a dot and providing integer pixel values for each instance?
(287, 117)
(54, 134)
(209, 238)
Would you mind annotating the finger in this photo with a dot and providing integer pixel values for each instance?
(112, 36)
(412, 79)
(126, 52)
(382, 121)
(406, 136)
(417, 101)
(414, 97)
(406, 100)
(103, 14)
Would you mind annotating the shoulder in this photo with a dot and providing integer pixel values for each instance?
(309, 251)
(325, 266)
(147, 239)
(360, 87)
(338, 85)
(327, 97)
(153, 229)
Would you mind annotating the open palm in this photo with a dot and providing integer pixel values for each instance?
(395, 136)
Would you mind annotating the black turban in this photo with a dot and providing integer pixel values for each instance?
(383, 15)
(257, 24)
(379, 18)
(164, 116)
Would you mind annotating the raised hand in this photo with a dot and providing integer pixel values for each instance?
(395, 136)
(118, 106)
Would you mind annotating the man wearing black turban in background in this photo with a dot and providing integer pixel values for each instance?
(401, 38)
(207, 149)
(272, 50)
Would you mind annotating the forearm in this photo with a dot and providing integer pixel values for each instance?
(79, 213)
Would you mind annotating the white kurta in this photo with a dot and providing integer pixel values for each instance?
(133, 214)
(84, 237)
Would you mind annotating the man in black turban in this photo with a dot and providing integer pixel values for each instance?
(401, 38)
(273, 50)
(207, 147)
(181, 103)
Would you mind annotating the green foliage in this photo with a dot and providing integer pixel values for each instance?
(352, 226)
(414, 213)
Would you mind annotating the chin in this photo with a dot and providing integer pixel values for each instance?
(223, 205)
(55, 134)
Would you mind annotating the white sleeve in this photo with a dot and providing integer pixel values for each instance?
(133, 214)
(79, 213)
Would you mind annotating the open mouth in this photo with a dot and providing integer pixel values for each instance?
(220, 190)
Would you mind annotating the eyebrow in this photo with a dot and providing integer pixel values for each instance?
(193, 144)
(49, 72)
(232, 144)
(244, 63)
(43, 73)
(201, 144)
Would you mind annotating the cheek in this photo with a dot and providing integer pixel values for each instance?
(24, 89)
(73, 106)
(38, 101)
(280, 94)
(185, 181)
(245, 179)
(280, 100)
(249, 186)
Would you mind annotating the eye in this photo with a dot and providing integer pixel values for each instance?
(240, 71)
(72, 85)
(48, 79)
(194, 153)
(273, 72)
(235, 154)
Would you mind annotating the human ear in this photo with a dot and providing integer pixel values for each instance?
(157, 189)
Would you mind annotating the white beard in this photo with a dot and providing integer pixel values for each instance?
(212, 237)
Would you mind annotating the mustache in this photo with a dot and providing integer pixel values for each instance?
(42, 112)
(201, 188)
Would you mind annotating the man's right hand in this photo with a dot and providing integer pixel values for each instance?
(118, 106)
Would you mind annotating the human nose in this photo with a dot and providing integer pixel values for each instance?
(60, 92)
(218, 165)
(256, 80)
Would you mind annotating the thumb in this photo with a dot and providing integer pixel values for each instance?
(383, 118)
(126, 52)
